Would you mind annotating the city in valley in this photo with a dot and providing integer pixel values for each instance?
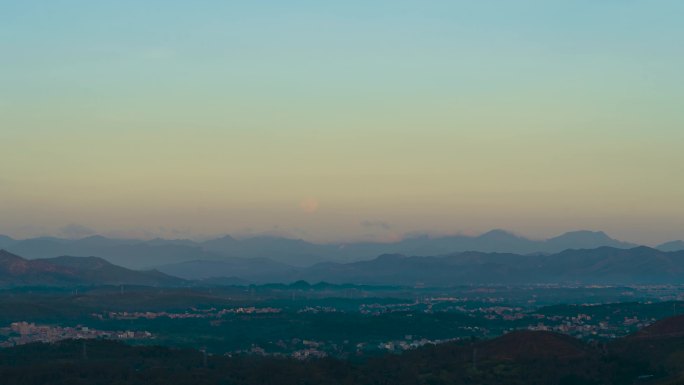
(302, 320)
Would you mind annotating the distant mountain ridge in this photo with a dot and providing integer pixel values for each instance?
(240, 268)
(604, 265)
(138, 254)
(671, 246)
(5, 240)
(70, 271)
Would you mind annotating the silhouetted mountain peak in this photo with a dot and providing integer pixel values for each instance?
(389, 257)
(645, 249)
(7, 257)
(585, 239)
(671, 246)
(600, 265)
(85, 263)
(224, 241)
(583, 235)
(132, 253)
(96, 237)
(499, 234)
(66, 271)
(5, 240)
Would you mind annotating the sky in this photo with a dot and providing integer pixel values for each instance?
(344, 120)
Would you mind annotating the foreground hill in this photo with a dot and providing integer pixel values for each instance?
(520, 345)
(522, 357)
(68, 271)
(665, 328)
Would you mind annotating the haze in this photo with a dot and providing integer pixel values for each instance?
(352, 120)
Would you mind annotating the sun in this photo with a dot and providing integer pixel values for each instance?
(309, 205)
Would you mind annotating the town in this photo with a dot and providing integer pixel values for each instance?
(323, 324)
(20, 333)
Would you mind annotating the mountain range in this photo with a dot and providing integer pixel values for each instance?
(72, 271)
(603, 265)
(145, 254)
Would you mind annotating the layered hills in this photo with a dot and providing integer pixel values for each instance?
(137, 254)
(69, 271)
(604, 265)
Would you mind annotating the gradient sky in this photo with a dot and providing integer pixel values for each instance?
(342, 120)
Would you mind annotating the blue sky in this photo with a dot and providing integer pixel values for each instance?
(310, 118)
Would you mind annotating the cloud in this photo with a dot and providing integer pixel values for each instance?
(74, 230)
(376, 225)
(274, 231)
(133, 233)
(174, 232)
